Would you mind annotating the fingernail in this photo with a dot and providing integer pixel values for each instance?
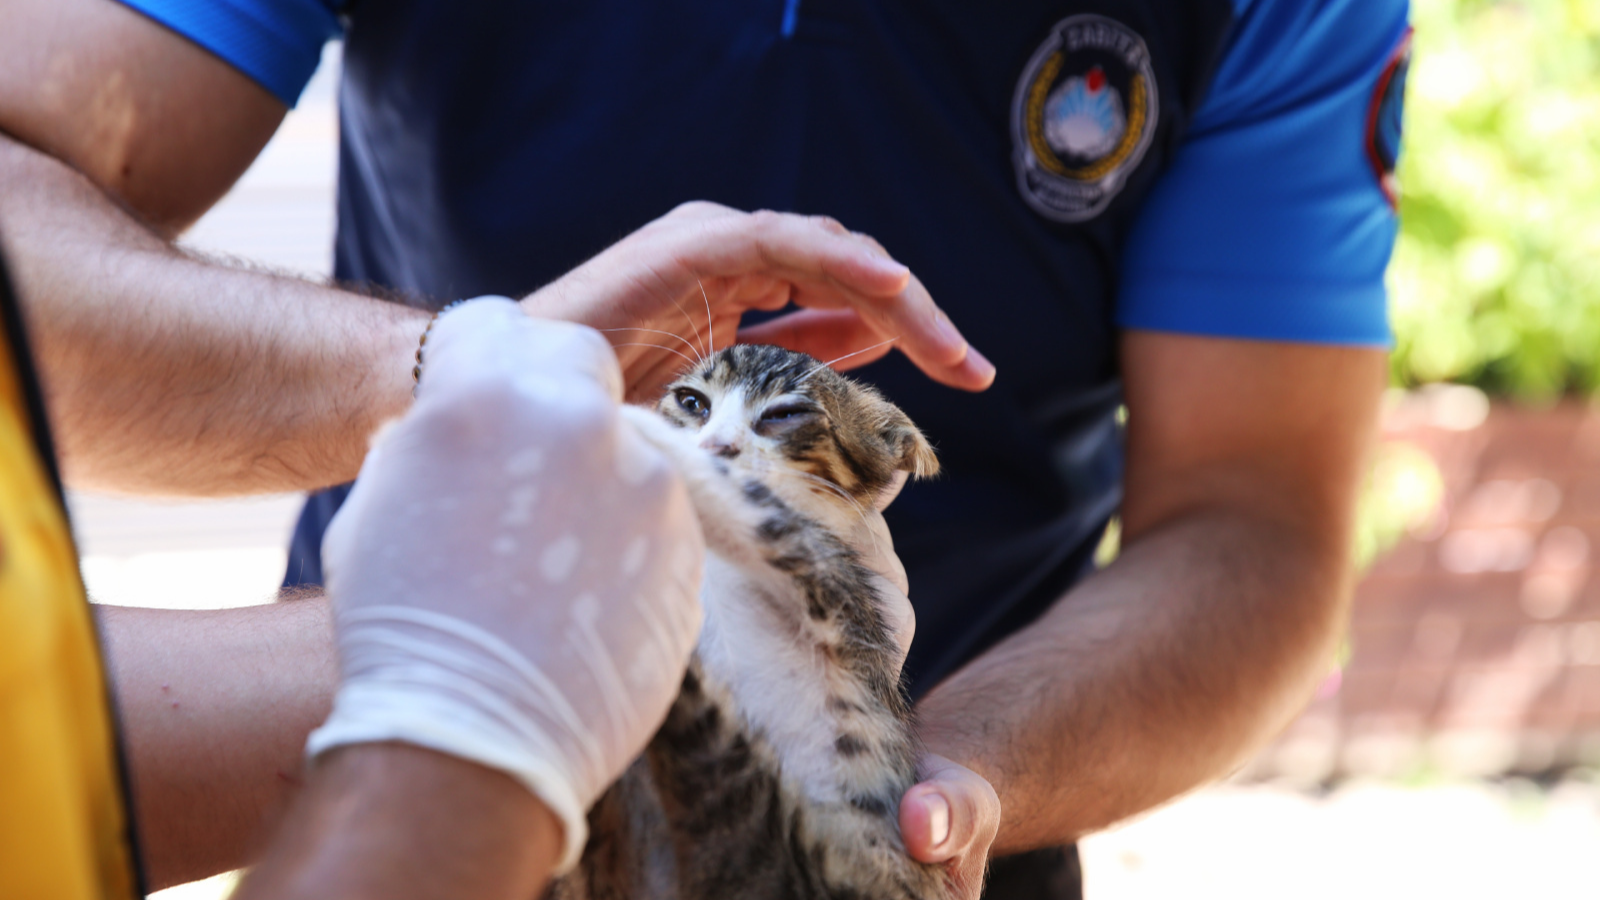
(938, 820)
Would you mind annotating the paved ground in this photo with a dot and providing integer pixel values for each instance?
(1374, 840)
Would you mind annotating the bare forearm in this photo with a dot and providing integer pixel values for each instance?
(1156, 675)
(215, 707)
(401, 823)
(148, 354)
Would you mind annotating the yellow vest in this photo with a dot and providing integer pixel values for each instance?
(64, 830)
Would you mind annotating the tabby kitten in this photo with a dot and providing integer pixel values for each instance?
(780, 767)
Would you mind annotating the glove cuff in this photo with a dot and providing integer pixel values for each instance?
(455, 697)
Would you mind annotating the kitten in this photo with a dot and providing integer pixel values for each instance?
(780, 767)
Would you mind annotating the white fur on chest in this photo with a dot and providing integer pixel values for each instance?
(753, 644)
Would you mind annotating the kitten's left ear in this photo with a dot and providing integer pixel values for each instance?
(914, 457)
(913, 453)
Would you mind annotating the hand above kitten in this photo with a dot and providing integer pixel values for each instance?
(721, 263)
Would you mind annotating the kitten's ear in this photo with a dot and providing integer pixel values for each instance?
(914, 457)
(914, 453)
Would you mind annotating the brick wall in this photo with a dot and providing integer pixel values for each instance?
(1474, 643)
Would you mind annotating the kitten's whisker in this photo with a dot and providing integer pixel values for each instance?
(711, 332)
(669, 334)
(830, 362)
(657, 346)
(690, 319)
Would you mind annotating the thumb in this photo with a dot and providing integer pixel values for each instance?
(952, 813)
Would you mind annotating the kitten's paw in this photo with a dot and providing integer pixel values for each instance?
(666, 437)
(727, 519)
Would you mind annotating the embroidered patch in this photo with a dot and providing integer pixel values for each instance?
(1083, 116)
(1384, 118)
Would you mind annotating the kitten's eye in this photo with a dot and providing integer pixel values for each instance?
(693, 402)
(783, 416)
(784, 411)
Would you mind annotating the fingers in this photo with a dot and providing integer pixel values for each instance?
(765, 259)
(898, 614)
(950, 813)
(848, 339)
(951, 817)
(798, 248)
(923, 333)
(824, 334)
(696, 210)
(909, 316)
(904, 312)
(920, 328)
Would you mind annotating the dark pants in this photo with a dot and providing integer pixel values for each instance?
(305, 548)
(1049, 874)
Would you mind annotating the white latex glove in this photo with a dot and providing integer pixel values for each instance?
(515, 577)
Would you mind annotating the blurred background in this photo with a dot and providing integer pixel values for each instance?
(1456, 749)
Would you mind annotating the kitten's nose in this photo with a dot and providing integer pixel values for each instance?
(720, 446)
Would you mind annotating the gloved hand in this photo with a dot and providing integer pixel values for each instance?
(515, 576)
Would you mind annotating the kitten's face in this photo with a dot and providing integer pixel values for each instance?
(766, 410)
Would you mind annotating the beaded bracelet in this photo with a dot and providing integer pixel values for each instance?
(416, 370)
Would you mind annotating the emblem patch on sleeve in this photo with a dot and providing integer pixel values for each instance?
(1384, 119)
(1083, 116)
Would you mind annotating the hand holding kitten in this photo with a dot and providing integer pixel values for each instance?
(951, 817)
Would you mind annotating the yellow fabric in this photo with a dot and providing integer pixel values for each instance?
(62, 820)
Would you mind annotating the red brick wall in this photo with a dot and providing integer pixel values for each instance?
(1475, 644)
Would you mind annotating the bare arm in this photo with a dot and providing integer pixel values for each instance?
(1208, 633)
(214, 708)
(171, 375)
(167, 374)
(402, 823)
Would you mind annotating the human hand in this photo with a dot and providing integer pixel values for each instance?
(871, 539)
(515, 575)
(951, 818)
(645, 294)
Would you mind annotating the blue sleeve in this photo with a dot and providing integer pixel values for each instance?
(1274, 221)
(276, 43)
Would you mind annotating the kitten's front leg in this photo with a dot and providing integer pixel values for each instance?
(728, 520)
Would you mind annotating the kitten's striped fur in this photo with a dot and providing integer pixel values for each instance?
(779, 770)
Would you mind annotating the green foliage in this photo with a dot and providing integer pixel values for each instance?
(1401, 497)
(1496, 277)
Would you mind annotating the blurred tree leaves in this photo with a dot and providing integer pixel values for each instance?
(1496, 276)
(1401, 497)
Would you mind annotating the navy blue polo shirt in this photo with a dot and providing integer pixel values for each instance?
(1053, 171)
